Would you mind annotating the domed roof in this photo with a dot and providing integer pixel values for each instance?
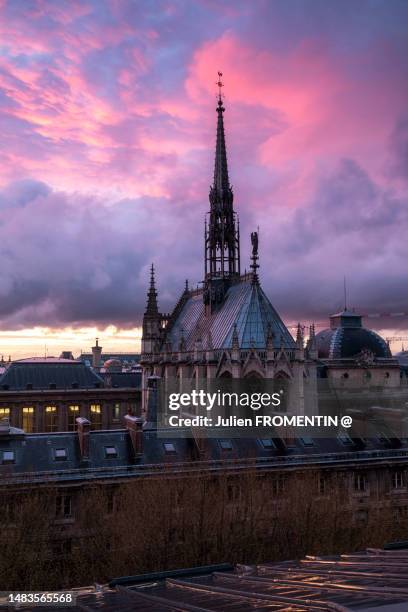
(113, 365)
(348, 339)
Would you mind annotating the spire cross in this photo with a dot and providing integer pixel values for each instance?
(220, 85)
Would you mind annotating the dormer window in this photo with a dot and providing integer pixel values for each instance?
(8, 457)
(60, 454)
(268, 444)
(169, 447)
(345, 438)
(111, 452)
(307, 441)
(52, 386)
(226, 445)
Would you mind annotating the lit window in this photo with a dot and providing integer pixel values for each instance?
(169, 447)
(398, 480)
(4, 412)
(73, 413)
(8, 457)
(63, 506)
(28, 419)
(60, 454)
(111, 452)
(226, 445)
(96, 416)
(51, 418)
(268, 444)
(307, 441)
(360, 482)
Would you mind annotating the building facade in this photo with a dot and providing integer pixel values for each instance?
(48, 395)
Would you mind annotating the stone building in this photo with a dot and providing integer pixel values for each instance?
(362, 480)
(227, 328)
(49, 394)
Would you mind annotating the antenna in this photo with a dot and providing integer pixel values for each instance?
(345, 294)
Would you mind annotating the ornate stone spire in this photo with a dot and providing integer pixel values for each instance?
(222, 259)
(299, 336)
(151, 307)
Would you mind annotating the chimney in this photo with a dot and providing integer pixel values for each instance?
(4, 426)
(134, 426)
(84, 427)
(152, 399)
(96, 355)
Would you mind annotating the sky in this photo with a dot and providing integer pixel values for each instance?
(107, 135)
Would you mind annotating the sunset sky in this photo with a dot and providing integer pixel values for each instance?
(107, 126)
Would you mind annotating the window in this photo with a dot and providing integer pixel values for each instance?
(226, 445)
(4, 413)
(8, 457)
(360, 483)
(307, 441)
(73, 413)
(169, 447)
(344, 438)
(60, 454)
(28, 419)
(383, 438)
(268, 444)
(116, 412)
(278, 485)
(96, 416)
(398, 480)
(322, 484)
(51, 418)
(110, 452)
(63, 506)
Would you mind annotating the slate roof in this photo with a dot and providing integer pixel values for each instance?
(131, 380)
(245, 305)
(42, 374)
(35, 456)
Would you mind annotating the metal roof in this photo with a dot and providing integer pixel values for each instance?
(374, 580)
(245, 305)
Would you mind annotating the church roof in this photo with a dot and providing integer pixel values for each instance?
(245, 306)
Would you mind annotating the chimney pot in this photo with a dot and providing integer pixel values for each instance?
(84, 427)
(134, 426)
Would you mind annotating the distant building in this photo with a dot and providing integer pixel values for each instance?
(98, 359)
(49, 394)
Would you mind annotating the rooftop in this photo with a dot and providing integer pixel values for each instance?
(374, 580)
(245, 307)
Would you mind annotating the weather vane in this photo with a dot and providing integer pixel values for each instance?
(220, 84)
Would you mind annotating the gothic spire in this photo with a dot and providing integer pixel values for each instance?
(221, 179)
(151, 307)
(221, 236)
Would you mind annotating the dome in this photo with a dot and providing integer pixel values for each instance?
(347, 339)
(113, 365)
